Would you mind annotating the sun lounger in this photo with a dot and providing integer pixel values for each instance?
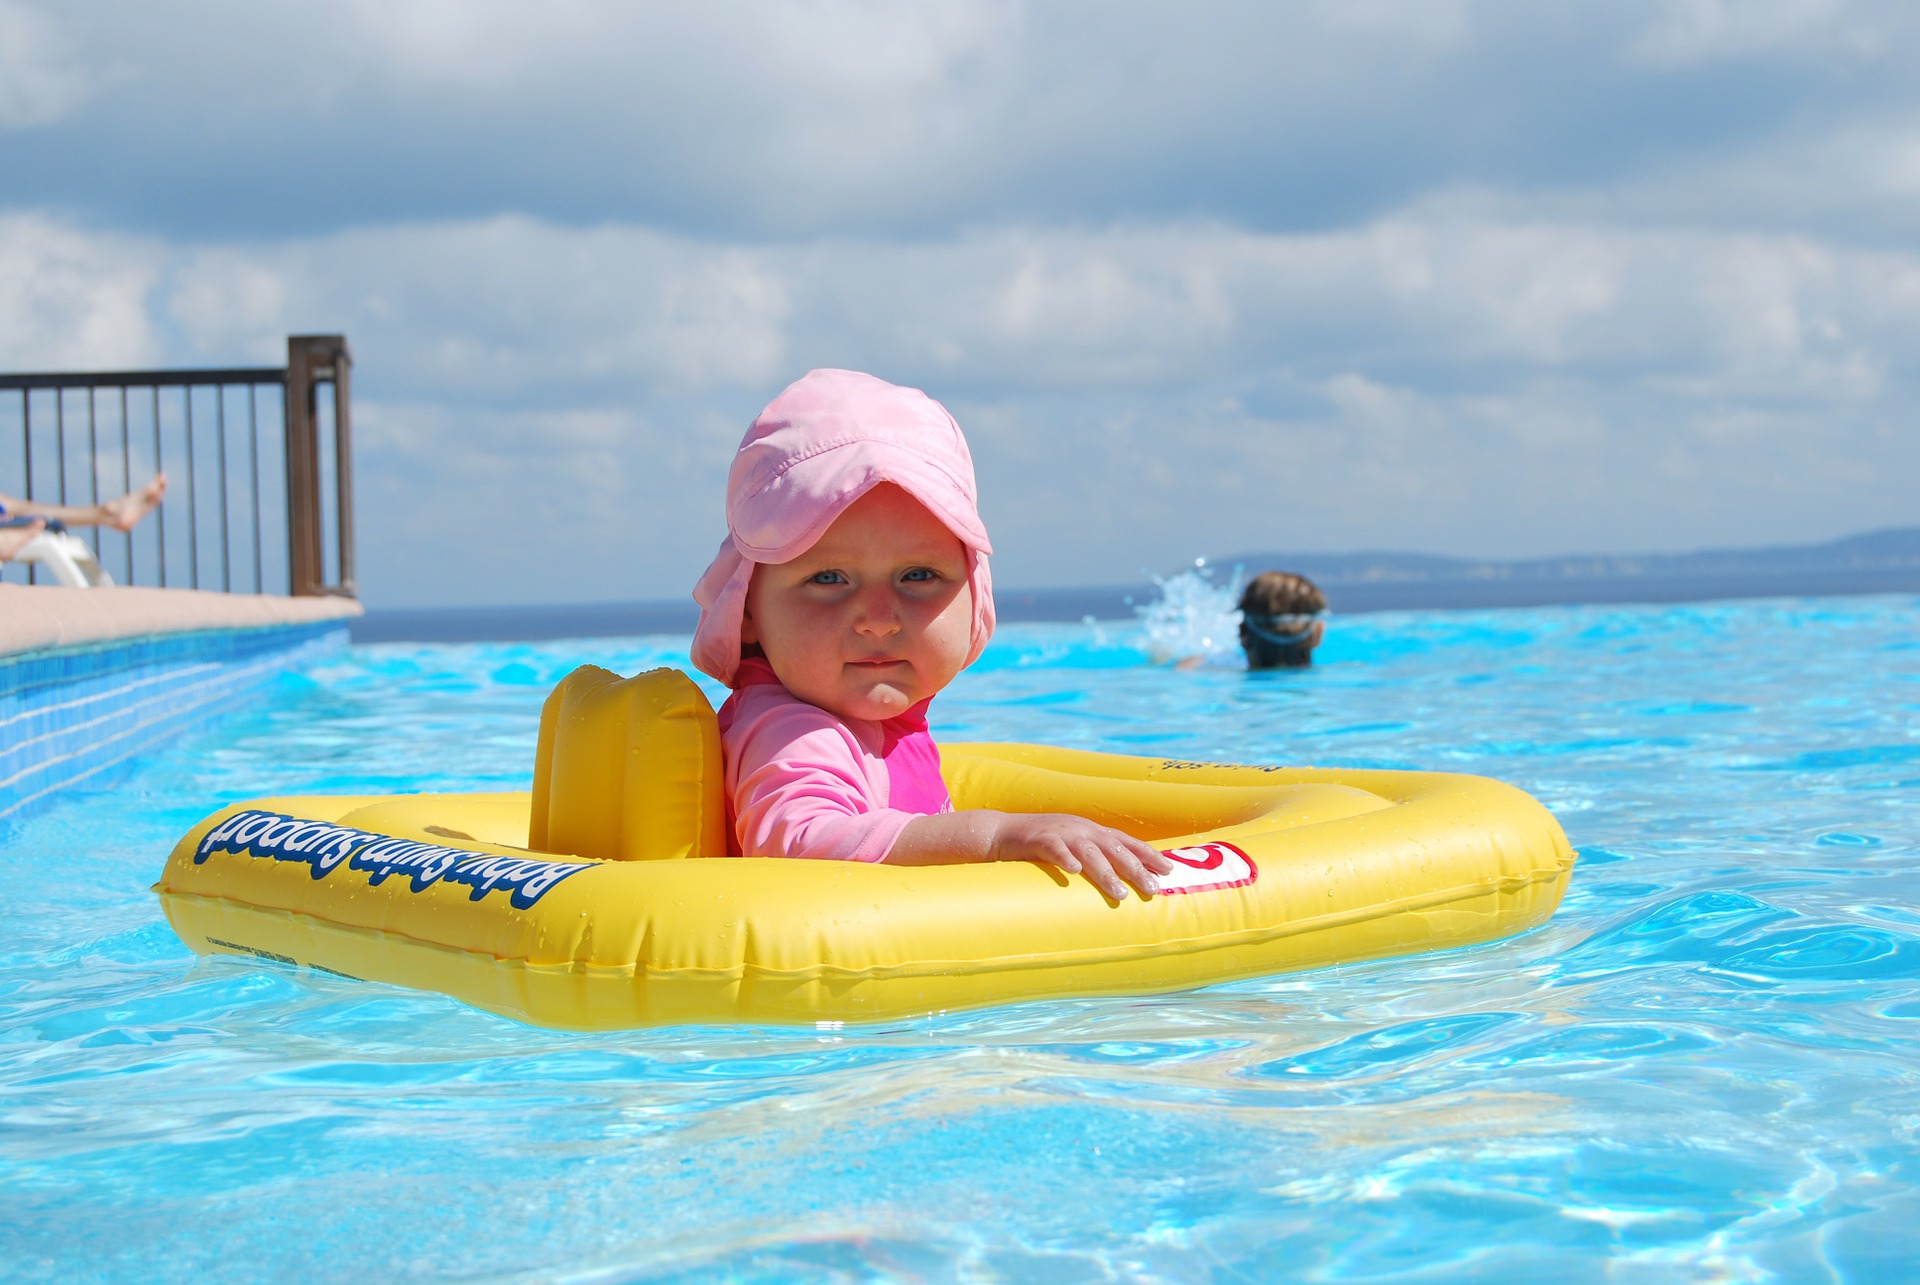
(66, 556)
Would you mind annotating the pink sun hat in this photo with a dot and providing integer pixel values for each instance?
(828, 439)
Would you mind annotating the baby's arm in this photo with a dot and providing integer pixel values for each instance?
(801, 788)
(1110, 859)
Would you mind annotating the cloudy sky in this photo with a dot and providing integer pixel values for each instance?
(1493, 279)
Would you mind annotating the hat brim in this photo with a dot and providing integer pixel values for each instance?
(788, 514)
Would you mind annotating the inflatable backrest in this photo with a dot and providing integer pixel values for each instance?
(628, 769)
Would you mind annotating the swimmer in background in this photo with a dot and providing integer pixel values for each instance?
(21, 521)
(1283, 617)
(851, 589)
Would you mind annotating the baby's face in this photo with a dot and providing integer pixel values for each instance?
(875, 617)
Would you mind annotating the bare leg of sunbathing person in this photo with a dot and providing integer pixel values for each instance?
(15, 538)
(121, 514)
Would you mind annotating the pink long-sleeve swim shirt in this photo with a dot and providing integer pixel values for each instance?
(803, 782)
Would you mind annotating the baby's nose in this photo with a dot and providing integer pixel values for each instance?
(877, 612)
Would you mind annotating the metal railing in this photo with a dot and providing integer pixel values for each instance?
(86, 437)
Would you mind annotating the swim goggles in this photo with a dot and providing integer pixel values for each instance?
(1288, 630)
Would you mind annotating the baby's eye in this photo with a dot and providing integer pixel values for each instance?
(826, 577)
(920, 573)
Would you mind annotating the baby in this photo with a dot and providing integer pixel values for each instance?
(852, 587)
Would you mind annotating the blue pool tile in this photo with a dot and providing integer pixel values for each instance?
(72, 715)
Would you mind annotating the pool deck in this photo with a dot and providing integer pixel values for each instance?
(33, 617)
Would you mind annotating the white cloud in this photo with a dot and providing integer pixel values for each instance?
(40, 78)
(501, 307)
(73, 300)
(1108, 302)
(512, 307)
(477, 43)
(825, 118)
(1427, 22)
(849, 51)
(229, 305)
(1697, 31)
(1136, 395)
(1455, 275)
(718, 321)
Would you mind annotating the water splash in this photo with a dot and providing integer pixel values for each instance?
(1196, 619)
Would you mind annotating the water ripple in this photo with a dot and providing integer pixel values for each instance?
(1702, 1068)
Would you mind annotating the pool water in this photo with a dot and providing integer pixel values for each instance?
(1706, 1066)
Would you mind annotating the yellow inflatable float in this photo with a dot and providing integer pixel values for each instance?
(577, 905)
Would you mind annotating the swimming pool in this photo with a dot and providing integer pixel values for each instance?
(1705, 1066)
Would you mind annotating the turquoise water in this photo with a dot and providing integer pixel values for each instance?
(1705, 1067)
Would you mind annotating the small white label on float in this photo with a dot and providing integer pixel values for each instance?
(1207, 866)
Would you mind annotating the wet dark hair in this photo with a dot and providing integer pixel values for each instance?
(1271, 632)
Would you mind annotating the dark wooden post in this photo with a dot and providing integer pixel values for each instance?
(303, 478)
(343, 466)
(312, 359)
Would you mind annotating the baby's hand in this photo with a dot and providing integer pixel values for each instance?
(1079, 846)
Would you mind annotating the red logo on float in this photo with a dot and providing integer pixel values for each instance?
(1207, 866)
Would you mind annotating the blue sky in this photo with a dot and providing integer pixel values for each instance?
(1493, 279)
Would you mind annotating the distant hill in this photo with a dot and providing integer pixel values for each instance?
(1878, 562)
(1892, 550)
